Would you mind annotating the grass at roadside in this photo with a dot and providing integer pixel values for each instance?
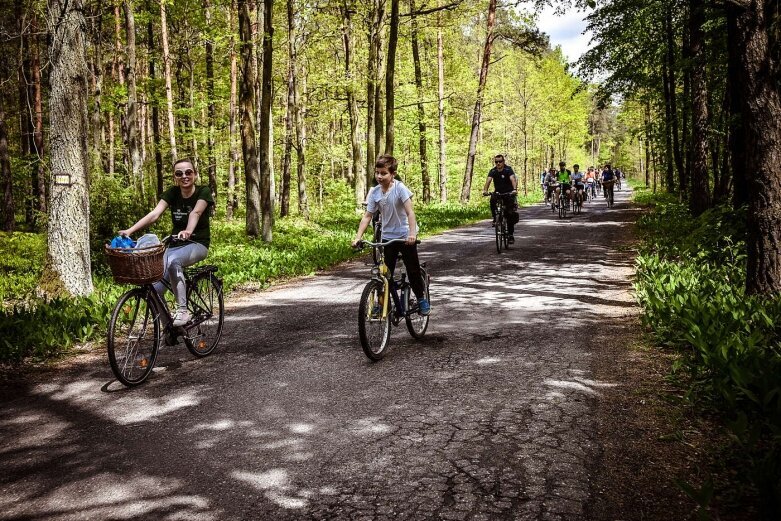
(691, 275)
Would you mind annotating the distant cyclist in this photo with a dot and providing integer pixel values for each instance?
(578, 182)
(506, 183)
(591, 182)
(608, 178)
(551, 183)
(565, 185)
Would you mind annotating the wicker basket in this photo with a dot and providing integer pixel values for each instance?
(136, 265)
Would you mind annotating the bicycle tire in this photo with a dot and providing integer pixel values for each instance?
(418, 324)
(505, 235)
(132, 348)
(206, 303)
(373, 330)
(498, 231)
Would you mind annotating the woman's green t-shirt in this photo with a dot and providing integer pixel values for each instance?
(181, 209)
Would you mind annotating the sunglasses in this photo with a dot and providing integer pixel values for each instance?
(500, 161)
(188, 173)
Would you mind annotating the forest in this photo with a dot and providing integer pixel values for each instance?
(284, 106)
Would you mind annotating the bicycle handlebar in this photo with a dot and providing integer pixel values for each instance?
(363, 244)
(486, 194)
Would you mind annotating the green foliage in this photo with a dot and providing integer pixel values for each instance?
(690, 281)
(21, 262)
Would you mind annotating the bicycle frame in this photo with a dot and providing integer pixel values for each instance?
(390, 286)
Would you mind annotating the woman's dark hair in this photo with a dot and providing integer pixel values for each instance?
(387, 161)
(185, 160)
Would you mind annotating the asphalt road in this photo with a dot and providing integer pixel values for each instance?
(490, 416)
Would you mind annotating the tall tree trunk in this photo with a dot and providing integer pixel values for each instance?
(247, 102)
(37, 99)
(191, 119)
(169, 96)
(357, 174)
(68, 257)
(97, 91)
(647, 121)
(390, 71)
(375, 44)
(700, 192)
(8, 211)
(212, 111)
(470, 159)
(300, 102)
(441, 110)
(232, 200)
(155, 111)
(759, 93)
(671, 65)
(289, 111)
(131, 114)
(669, 178)
(266, 197)
(737, 140)
(421, 111)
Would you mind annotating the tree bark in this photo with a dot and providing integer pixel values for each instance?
(155, 111)
(441, 111)
(96, 122)
(357, 174)
(131, 110)
(375, 43)
(289, 111)
(700, 192)
(470, 159)
(760, 98)
(266, 197)
(37, 99)
(232, 200)
(669, 178)
(736, 139)
(671, 64)
(68, 258)
(390, 72)
(211, 109)
(247, 104)
(421, 111)
(303, 201)
(169, 97)
(8, 211)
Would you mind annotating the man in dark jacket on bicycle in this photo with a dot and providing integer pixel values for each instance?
(505, 182)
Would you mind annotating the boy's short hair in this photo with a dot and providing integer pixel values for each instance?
(562, 163)
(576, 165)
(387, 161)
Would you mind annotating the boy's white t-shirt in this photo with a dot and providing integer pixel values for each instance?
(395, 224)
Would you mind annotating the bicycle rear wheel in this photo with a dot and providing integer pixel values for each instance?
(417, 323)
(505, 235)
(206, 304)
(133, 337)
(373, 329)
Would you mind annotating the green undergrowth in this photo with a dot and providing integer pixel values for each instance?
(34, 329)
(691, 274)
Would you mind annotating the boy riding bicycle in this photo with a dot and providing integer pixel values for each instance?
(394, 202)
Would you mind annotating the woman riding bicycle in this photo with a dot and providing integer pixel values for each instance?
(394, 201)
(189, 205)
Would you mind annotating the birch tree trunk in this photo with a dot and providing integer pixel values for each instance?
(67, 266)
(247, 101)
(441, 111)
(131, 110)
(303, 202)
(375, 44)
(266, 198)
(169, 96)
(470, 159)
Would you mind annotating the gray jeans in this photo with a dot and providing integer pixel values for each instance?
(175, 260)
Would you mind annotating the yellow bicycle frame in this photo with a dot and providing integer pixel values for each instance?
(386, 289)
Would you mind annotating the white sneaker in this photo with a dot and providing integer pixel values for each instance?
(181, 317)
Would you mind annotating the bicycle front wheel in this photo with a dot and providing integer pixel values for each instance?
(498, 231)
(133, 337)
(505, 236)
(417, 323)
(208, 311)
(373, 329)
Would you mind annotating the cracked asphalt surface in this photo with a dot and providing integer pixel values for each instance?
(490, 416)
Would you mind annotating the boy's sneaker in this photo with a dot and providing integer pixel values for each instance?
(181, 317)
(510, 240)
(424, 308)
